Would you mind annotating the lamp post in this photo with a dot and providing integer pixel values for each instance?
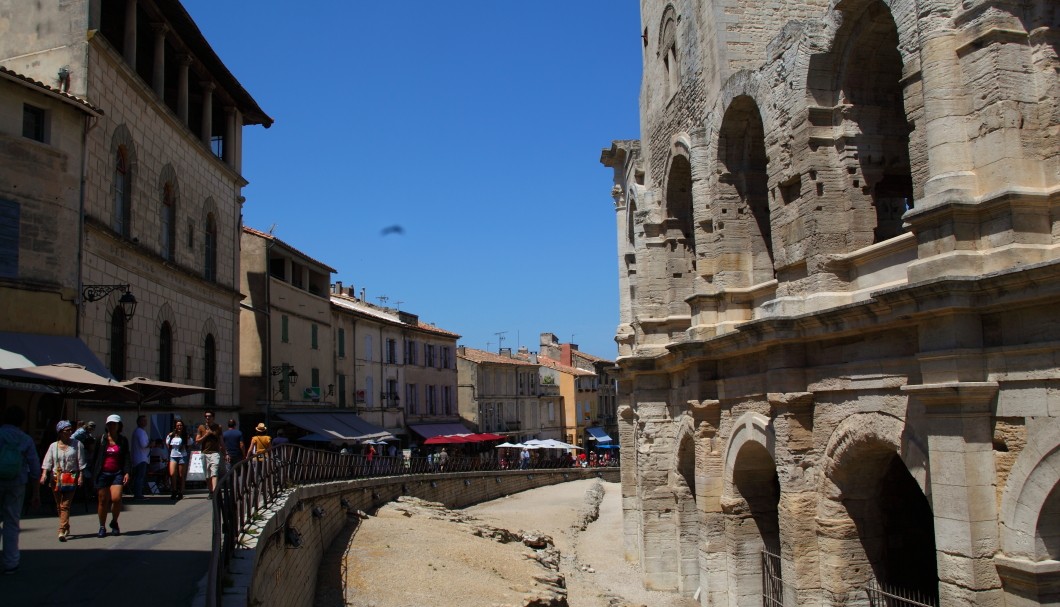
(288, 377)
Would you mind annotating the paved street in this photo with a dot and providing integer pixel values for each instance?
(161, 556)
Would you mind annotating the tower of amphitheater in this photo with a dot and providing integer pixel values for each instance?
(839, 257)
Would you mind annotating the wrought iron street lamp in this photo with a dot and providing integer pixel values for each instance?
(98, 292)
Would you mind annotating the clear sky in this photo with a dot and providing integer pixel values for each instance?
(475, 125)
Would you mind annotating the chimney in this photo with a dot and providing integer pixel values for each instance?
(565, 355)
(362, 294)
(461, 350)
(336, 289)
(505, 352)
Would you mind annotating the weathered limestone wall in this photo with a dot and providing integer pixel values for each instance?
(839, 259)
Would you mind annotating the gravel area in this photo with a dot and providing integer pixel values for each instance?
(517, 551)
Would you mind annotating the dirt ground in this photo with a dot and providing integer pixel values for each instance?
(412, 556)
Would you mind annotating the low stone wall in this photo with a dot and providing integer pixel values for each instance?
(280, 564)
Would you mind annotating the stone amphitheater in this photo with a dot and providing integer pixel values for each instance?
(839, 262)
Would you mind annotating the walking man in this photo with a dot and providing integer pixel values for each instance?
(208, 438)
(17, 457)
(140, 454)
(233, 440)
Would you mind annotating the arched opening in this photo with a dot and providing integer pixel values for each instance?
(870, 85)
(1047, 533)
(754, 529)
(168, 219)
(679, 209)
(165, 352)
(210, 253)
(893, 519)
(743, 188)
(686, 463)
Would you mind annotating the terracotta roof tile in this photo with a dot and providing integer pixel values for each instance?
(266, 235)
(558, 366)
(482, 356)
(73, 99)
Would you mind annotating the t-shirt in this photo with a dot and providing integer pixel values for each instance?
(232, 438)
(176, 446)
(140, 446)
(112, 459)
(210, 441)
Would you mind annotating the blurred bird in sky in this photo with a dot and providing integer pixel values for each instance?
(394, 229)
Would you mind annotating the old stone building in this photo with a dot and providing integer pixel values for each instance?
(839, 270)
(160, 193)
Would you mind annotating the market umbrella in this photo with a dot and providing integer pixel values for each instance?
(70, 380)
(150, 390)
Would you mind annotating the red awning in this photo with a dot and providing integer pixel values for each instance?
(449, 439)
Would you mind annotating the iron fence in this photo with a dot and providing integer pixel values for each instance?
(882, 595)
(772, 583)
(252, 485)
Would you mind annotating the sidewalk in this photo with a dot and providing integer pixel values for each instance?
(160, 558)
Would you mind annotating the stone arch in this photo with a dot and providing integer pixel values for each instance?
(750, 505)
(677, 195)
(874, 518)
(742, 188)
(123, 182)
(859, 91)
(1030, 523)
(169, 211)
(211, 227)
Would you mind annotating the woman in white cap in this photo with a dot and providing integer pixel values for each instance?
(111, 471)
(65, 459)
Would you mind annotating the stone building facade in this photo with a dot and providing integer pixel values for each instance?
(839, 263)
(161, 197)
(501, 393)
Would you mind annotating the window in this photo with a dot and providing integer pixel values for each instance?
(169, 222)
(284, 335)
(447, 400)
(369, 391)
(391, 392)
(391, 351)
(313, 337)
(209, 371)
(411, 399)
(122, 192)
(342, 390)
(33, 122)
(341, 343)
(446, 360)
(368, 348)
(191, 235)
(117, 343)
(410, 352)
(210, 253)
(217, 145)
(9, 229)
(432, 400)
(165, 352)
(314, 378)
(428, 355)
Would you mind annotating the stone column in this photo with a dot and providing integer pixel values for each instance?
(207, 112)
(710, 487)
(228, 147)
(158, 74)
(962, 489)
(182, 89)
(129, 43)
(950, 170)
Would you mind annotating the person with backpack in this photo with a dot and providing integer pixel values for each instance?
(65, 460)
(18, 456)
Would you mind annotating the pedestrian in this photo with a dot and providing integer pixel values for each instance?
(524, 459)
(140, 455)
(280, 438)
(18, 456)
(111, 471)
(443, 459)
(177, 443)
(83, 435)
(259, 443)
(208, 438)
(233, 440)
(65, 462)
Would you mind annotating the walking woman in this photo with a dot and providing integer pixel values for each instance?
(65, 459)
(111, 471)
(259, 443)
(177, 443)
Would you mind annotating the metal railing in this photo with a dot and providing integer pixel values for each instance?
(883, 595)
(772, 583)
(254, 484)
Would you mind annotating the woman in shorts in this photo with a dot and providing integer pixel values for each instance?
(111, 471)
(177, 443)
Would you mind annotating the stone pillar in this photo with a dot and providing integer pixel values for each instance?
(207, 112)
(228, 147)
(129, 43)
(962, 489)
(710, 487)
(950, 170)
(182, 89)
(158, 74)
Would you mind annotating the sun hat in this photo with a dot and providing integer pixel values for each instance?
(114, 418)
(62, 425)
(260, 427)
(90, 425)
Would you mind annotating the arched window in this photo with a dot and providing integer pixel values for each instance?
(210, 257)
(117, 343)
(668, 51)
(169, 222)
(122, 192)
(209, 370)
(165, 352)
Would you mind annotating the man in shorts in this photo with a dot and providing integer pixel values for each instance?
(208, 438)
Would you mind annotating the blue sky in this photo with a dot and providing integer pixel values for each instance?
(476, 125)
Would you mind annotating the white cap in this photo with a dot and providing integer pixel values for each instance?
(114, 418)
